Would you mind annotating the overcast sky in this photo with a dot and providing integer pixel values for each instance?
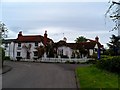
(72, 18)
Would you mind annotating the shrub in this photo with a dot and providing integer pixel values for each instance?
(94, 56)
(67, 61)
(91, 61)
(35, 58)
(18, 58)
(7, 58)
(105, 57)
(73, 62)
(3, 55)
(110, 64)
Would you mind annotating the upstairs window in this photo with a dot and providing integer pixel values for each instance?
(36, 43)
(19, 44)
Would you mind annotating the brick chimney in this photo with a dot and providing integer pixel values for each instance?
(97, 39)
(20, 34)
(45, 38)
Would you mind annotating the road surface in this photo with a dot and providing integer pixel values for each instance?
(39, 75)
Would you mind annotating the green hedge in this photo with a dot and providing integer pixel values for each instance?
(111, 64)
(7, 58)
(18, 58)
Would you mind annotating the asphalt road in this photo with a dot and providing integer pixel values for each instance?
(39, 75)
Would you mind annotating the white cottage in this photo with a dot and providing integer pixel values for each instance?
(25, 46)
(31, 47)
(78, 50)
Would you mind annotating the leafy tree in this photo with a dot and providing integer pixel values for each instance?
(50, 50)
(114, 45)
(2, 55)
(41, 50)
(114, 14)
(3, 30)
(80, 39)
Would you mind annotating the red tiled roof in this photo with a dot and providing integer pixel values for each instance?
(91, 44)
(86, 45)
(32, 38)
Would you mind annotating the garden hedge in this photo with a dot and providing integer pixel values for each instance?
(109, 64)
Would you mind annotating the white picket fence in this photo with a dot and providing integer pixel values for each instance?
(60, 60)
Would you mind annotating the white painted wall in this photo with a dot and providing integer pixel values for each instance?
(14, 49)
(91, 52)
(66, 50)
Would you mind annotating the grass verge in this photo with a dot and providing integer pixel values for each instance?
(92, 77)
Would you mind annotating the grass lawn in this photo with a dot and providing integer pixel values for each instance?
(91, 77)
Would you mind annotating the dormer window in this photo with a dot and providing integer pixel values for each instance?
(19, 44)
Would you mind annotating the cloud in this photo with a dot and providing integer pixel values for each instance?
(68, 15)
(72, 19)
(54, 0)
(12, 34)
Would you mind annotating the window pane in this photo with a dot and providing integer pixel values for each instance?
(19, 44)
(18, 53)
(36, 43)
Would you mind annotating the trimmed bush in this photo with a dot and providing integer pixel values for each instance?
(6, 58)
(35, 58)
(18, 58)
(111, 64)
(67, 61)
(91, 61)
(73, 62)
(94, 56)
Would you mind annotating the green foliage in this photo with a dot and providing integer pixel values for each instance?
(41, 50)
(114, 46)
(6, 58)
(111, 64)
(94, 56)
(3, 31)
(70, 62)
(105, 57)
(80, 39)
(18, 58)
(3, 56)
(109, 52)
(50, 50)
(67, 61)
(92, 77)
(91, 62)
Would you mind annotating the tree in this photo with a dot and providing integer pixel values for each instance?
(114, 45)
(114, 13)
(50, 49)
(41, 50)
(3, 30)
(80, 39)
(3, 56)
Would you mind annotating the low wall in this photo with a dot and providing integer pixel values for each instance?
(61, 60)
